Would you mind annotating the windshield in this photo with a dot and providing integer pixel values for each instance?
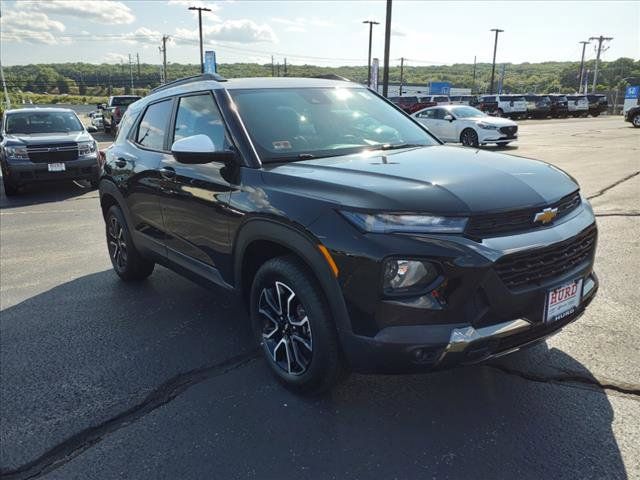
(43, 122)
(467, 112)
(298, 123)
(123, 101)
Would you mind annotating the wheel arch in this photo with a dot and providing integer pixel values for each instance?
(261, 239)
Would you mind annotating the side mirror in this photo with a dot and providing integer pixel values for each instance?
(199, 149)
(92, 129)
(449, 118)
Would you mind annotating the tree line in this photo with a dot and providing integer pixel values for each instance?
(91, 80)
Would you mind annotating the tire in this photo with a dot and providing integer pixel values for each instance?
(635, 121)
(500, 113)
(595, 114)
(127, 262)
(469, 138)
(10, 190)
(299, 340)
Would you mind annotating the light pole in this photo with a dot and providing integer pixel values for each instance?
(371, 24)
(200, 10)
(584, 45)
(493, 66)
(387, 48)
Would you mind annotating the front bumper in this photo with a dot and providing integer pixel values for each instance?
(480, 317)
(29, 172)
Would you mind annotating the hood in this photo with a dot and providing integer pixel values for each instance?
(498, 121)
(437, 179)
(47, 138)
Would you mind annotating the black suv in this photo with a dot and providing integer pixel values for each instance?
(598, 104)
(358, 240)
(538, 106)
(559, 107)
(44, 144)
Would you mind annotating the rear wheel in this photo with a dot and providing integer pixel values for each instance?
(635, 121)
(125, 258)
(293, 324)
(469, 138)
(500, 113)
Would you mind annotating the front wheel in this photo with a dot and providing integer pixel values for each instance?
(635, 121)
(469, 138)
(293, 324)
(125, 258)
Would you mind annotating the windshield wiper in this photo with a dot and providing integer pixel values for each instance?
(396, 146)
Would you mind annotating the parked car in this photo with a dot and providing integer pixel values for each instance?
(436, 99)
(97, 121)
(471, 100)
(538, 106)
(632, 115)
(513, 106)
(411, 104)
(356, 244)
(578, 105)
(467, 125)
(598, 104)
(44, 144)
(559, 106)
(113, 111)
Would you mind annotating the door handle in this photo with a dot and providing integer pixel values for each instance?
(167, 173)
(121, 163)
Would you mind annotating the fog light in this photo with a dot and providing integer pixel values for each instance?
(406, 276)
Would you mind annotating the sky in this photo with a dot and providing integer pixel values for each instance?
(327, 33)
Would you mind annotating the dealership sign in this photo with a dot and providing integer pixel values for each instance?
(210, 62)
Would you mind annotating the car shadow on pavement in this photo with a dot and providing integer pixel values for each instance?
(79, 354)
(48, 192)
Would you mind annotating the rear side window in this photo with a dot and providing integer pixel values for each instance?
(153, 125)
(125, 127)
(199, 115)
(488, 99)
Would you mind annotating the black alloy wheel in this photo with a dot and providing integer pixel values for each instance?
(286, 331)
(127, 262)
(635, 121)
(469, 138)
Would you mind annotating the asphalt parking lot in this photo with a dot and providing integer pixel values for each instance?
(160, 380)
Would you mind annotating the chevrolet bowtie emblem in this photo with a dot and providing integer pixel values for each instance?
(546, 215)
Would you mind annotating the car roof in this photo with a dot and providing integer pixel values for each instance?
(39, 109)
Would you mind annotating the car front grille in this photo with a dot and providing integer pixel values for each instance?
(533, 267)
(59, 152)
(509, 130)
(491, 225)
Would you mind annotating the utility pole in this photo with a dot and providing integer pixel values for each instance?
(493, 66)
(600, 40)
(581, 74)
(285, 66)
(138, 60)
(273, 67)
(130, 74)
(473, 85)
(278, 69)
(163, 50)
(200, 10)
(387, 48)
(371, 24)
(401, 74)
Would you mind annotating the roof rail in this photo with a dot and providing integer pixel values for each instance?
(195, 78)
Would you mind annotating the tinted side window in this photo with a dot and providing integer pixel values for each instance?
(199, 115)
(427, 114)
(439, 113)
(153, 125)
(124, 129)
(488, 99)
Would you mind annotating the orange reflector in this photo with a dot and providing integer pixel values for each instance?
(329, 259)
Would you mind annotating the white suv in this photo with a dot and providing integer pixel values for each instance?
(513, 106)
(578, 105)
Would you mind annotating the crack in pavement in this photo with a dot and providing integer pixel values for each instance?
(73, 446)
(625, 388)
(614, 184)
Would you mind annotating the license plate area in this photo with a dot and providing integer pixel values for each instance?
(563, 301)
(56, 167)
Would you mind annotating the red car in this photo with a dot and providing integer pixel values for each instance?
(412, 104)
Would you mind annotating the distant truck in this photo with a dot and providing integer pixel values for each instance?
(113, 111)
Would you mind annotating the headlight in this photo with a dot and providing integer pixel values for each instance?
(407, 276)
(86, 148)
(487, 126)
(392, 222)
(17, 152)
